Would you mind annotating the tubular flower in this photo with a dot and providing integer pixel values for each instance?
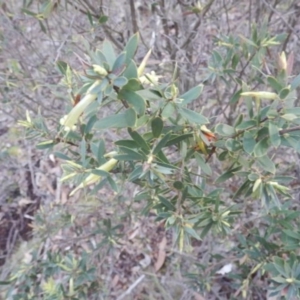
(71, 119)
(93, 178)
(150, 78)
(261, 95)
(143, 64)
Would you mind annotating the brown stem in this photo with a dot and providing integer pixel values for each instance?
(133, 17)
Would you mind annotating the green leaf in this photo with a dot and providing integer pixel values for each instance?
(295, 82)
(178, 139)
(228, 174)
(157, 126)
(261, 148)
(291, 141)
(224, 130)
(249, 142)
(120, 120)
(233, 145)
(191, 95)
(61, 155)
(139, 139)
(119, 62)
(98, 150)
(289, 117)
(135, 174)
(253, 176)
(206, 229)
(129, 155)
(192, 117)
(161, 143)
(235, 60)
(62, 67)
(43, 27)
(109, 53)
(101, 173)
(178, 185)
(235, 98)
(294, 110)
(131, 71)
(133, 85)
(83, 150)
(90, 124)
(29, 13)
(266, 164)
(135, 100)
(103, 19)
(131, 47)
(90, 18)
(238, 120)
(242, 189)
(274, 83)
(217, 57)
(45, 145)
(292, 234)
(47, 8)
(246, 124)
(203, 165)
(191, 231)
(166, 203)
(120, 81)
(127, 143)
(284, 93)
(274, 134)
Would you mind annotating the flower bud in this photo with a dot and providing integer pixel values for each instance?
(100, 70)
(261, 95)
(93, 178)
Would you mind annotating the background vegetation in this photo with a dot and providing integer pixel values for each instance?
(186, 212)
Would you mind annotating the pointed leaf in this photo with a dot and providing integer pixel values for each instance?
(261, 148)
(131, 70)
(129, 155)
(109, 53)
(192, 117)
(248, 142)
(225, 130)
(120, 81)
(203, 165)
(266, 164)
(119, 62)
(273, 82)
(157, 126)
(121, 120)
(274, 134)
(139, 139)
(131, 47)
(295, 82)
(135, 100)
(191, 95)
(161, 143)
(284, 93)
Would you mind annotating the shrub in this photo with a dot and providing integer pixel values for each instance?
(199, 176)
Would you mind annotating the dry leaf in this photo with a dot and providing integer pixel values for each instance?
(115, 281)
(146, 261)
(226, 269)
(134, 232)
(198, 296)
(161, 257)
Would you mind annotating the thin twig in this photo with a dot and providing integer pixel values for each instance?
(135, 27)
(282, 19)
(133, 286)
(65, 40)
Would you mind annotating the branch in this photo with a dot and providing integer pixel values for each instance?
(283, 131)
(133, 17)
